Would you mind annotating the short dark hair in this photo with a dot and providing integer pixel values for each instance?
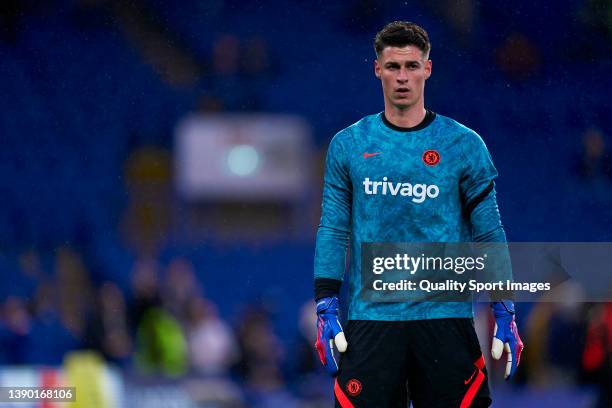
(401, 34)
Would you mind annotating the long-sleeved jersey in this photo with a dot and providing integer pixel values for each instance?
(430, 183)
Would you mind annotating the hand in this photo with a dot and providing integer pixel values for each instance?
(506, 336)
(329, 332)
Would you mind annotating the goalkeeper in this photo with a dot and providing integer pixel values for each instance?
(424, 352)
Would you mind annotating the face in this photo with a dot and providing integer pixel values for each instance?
(402, 72)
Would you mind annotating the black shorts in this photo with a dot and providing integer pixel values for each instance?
(431, 363)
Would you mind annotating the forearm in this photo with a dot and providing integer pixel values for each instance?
(490, 237)
(486, 221)
(330, 260)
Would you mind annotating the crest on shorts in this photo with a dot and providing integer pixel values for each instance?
(353, 387)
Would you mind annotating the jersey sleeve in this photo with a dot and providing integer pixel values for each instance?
(478, 196)
(479, 174)
(335, 225)
(480, 206)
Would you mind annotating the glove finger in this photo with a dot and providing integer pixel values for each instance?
(319, 345)
(338, 335)
(519, 351)
(510, 366)
(514, 349)
(517, 345)
(331, 366)
(497, 348)
(340, 341)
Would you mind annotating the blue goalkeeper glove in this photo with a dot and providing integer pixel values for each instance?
(329, 332)
(506, 336)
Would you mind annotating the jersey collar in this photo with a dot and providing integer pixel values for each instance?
(429, 117)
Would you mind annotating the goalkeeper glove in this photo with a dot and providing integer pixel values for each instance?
(506, 336)
(329, 331)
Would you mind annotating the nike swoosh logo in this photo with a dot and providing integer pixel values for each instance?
(470, 379)
(366, 154)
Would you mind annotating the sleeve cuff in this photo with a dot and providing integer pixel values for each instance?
(326, 287)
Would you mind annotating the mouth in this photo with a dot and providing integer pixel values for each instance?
(402, 92)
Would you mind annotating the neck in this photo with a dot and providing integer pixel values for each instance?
(407, 117)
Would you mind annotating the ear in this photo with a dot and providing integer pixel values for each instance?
(428, 66)
(377, 69)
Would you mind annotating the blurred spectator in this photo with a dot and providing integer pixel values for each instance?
(147, 218)
(261, 351)
(15, 327)
(75, 293)
(518, 57)
(595, 162)
(226, 56)
(49, 337)
(550, 362)
(227, 79)
(307, 357)
(160, 344)
(108, 330)
(180, 288)
(157, 46)
(597, 356)
(30, 274)
(145, 289)
(312, 380)
(460, 16)
(256, 58)
(567, 322)
(160, 340)
(212, 346)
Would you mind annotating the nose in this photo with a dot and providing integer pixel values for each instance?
(402, 76)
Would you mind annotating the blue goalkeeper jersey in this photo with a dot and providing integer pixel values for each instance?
(388, 184)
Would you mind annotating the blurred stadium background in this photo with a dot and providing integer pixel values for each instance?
(161, 171)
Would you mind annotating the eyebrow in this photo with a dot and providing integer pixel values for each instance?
(405, 62)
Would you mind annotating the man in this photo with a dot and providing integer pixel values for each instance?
(427, 352)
